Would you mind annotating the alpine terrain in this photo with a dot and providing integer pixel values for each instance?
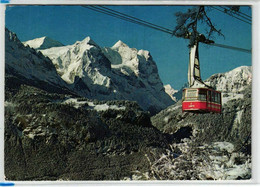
(119, 72)
(83, 112)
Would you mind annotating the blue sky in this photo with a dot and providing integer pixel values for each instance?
(69, 24)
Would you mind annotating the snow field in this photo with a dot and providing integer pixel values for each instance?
(102, 107)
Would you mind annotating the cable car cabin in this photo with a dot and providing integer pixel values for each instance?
(201, 100)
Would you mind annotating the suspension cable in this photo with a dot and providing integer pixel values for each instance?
(231, 47)
(241, 16)
(241, 13)
(231, 15)
(138, 21)
(126, 18)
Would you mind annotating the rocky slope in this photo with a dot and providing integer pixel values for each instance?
(119, 72)
(51, 136)
(30, 66)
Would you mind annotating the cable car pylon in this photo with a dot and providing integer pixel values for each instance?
(199, 97)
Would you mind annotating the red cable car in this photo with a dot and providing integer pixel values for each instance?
(199, 97)
(201, 100)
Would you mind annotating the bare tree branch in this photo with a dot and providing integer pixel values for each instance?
(187, 24)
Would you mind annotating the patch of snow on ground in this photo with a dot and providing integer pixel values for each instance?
(91, 104)
(106, 107)
(221, 146)
(216, 161)
(75, 102)
(166, 119)
(101, 107)
(238, 117)
(238, 170)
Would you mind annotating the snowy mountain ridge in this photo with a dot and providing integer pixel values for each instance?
(42, 43)
(27, 62)
(69, 60)
(232, 81)
(124, 73)
(119, 72)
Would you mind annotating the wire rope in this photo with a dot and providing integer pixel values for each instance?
(240, 12)
(231, 15)
(138, 21)
(153, 26)
(233, 12)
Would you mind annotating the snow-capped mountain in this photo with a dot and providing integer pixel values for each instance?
(231, 84)
(233, 81)
(26, 62)
(119, 72)
(170, 91)
(42, 43)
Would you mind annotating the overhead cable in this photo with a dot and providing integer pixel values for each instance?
(214, 7)
(240, 12)
(128, 18)
(138, 21)
(136, 18)
(231, 47)
(233, 12)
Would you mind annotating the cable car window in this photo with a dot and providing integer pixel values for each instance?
(219, 98)
(191, 95)
(209, 95)
(216, 97)
(212, 97)
(202, 95)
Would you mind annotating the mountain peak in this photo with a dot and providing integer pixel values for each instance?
(119, 44)
(44, 42)
(231, 81)
(89, 41)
